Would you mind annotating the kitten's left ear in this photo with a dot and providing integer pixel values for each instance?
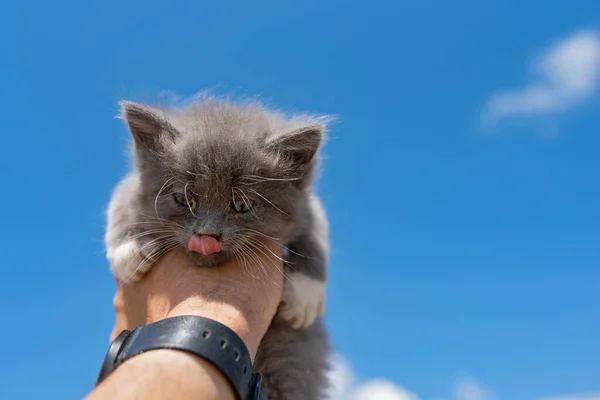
(147, 126)
(298, 145)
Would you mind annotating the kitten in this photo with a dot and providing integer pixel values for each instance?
(217, 180)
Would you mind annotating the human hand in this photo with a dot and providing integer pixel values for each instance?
(229, 294)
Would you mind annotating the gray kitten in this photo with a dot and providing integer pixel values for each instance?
(217, 180)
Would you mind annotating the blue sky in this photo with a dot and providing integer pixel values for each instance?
(461, 180)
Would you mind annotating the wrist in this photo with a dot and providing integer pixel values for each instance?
(158, 374)
(249, 330)
(200, 336)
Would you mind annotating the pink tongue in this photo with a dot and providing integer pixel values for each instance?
(205, 245)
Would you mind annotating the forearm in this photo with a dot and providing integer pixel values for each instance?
(164, 374)
(174, 288)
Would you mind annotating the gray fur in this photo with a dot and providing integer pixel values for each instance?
(212, 153)
(293, 361)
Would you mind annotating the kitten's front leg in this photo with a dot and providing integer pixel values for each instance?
(303, 299)
(126, 262)
(304, 294)
(122, 250)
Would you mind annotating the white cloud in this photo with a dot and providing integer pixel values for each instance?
(470, 389)
(345, 386)
(595, 396)
(381, 389)
(566, 74)
(341, 378)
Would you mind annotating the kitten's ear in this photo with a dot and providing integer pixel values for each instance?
(146, 124)
(299, 145)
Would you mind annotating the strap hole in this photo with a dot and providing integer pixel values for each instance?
(205, 334)
(236, 356)
(245, 369)
(223, 343)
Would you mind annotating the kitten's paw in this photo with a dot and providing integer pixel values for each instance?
(126, 263)
(303, 300)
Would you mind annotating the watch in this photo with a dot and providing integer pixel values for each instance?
(203, 337)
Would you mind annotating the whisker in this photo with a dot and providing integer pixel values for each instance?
(159, 192)
(151, 232)
(274, 239)
(246, 202)
(152, 257)
(259, 179)
(248, 255)
(155, 218)
(259, 233)
(160, 240)
(258, 261)
(269, 201)
(255, 247)
(299, 254)
(289, 264)
(152, 225)
(252, 240)
(239, 256)
(186, 198)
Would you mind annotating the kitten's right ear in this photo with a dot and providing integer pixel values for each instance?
(146, 124)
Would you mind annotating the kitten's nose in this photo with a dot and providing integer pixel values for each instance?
(204, 244)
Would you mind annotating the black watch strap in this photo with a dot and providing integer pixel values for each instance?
(203, 337)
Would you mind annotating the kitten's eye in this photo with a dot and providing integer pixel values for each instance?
(180, 199)
(241, 206)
